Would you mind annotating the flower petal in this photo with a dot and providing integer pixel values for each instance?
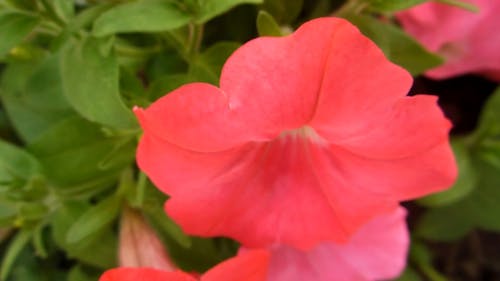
(376, 252)
(195, 117)
(402, 128)
(144, 274)
(248, 266)
(275, 82)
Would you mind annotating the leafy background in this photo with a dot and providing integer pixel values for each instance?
(71, 70)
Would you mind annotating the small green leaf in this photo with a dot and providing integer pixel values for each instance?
(398, 46)
(390, 6)
(284, 11)
(94, 220)
(444, 224)
(91, 85)
(78, 156)
(166, 84)
(208, 65)
(16, 163)
(15, 247)
(32, 95)
(98, 249)
(267, 26)
(461, 4)
(489, 123)
(409, 274)
(211, 8)
(141, 16)
(465, 183)
(157, 215)
(14, 27)
(62, 9)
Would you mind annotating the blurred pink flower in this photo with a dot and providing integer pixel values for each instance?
(376, 252)
(469, 42)
(309, 137)
(139, 245)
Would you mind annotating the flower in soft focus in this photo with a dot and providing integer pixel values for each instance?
(376, 252)
(468, 41)
(139, 245)
(250, 266)
(308, 137)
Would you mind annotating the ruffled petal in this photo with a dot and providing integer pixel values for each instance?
(144, 274)
(248, 266)
(402, 128)
(274, 82)
(195, 117)
(376, 252)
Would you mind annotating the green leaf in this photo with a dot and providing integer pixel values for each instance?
(409, 275)
(158, 217)
(166, 84)
(284, 11)
(91, 85)
(390, 6)
(267, 26)
(444, 224)
(465, 183)
(461, 4)
(77, 156)
(32, 94)
(15, 247)
(78, 273)
(399, 47)
(94, 220)
(489, 123)
(141, 16)
(98, 249)
(16, 163)
(62, 9)
(208, 65)
(209, 9)
(14, 27)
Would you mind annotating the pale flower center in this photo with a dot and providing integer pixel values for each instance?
(304, 132)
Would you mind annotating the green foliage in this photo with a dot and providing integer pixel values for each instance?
(267, 26)
(398, 46)
(14, 26)
(474, 201)
(141, 16)
(84, 61)
(209, 9)
(389, 6)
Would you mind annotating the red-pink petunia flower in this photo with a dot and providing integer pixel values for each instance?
(376, 252)
(308, 137)
(468, 41)
(250, 266)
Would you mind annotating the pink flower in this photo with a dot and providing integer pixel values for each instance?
(139, 245)
(468, 41)
(250, 266)
(376, 252)
(308, 137)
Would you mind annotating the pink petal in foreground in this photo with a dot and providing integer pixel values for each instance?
(376, 252)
